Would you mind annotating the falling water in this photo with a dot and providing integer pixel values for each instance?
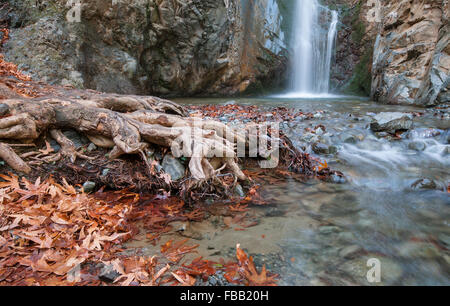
(314, 39)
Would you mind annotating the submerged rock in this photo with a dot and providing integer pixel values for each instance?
(424, 184)
(417, 146)
(320, 148)
(173, 167)
(391, 122)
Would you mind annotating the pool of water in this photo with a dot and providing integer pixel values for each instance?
(316, 233)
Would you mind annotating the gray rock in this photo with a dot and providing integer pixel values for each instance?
(424, 184)
(239, 191)
(77, 139)
(4, 109)
(348, 138)
(418, 250)
(417, 146)
(320, 148)
(327, 230)
(92, 147)
(108, 273)
(88, 187)
(105, 172)
(423, 133)
(391, 122)
(336, 179)
(445, 239)
(350, 252)
(173, 167)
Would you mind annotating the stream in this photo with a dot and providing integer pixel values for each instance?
(316, 233)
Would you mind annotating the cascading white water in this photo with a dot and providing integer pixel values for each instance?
(315, 29)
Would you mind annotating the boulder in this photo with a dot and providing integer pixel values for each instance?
(391, 122)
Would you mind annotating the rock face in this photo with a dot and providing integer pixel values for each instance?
(158, 47)
(412, 53)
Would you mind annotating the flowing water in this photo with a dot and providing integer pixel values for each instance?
(316, 233)
(314, 38)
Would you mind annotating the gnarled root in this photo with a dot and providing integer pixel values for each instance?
(67, 147)
(12, 159)
(127, 125)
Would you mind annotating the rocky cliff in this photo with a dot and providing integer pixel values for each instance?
(159, 47)
(412, 53)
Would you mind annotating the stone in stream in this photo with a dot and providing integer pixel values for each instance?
(350, 252)
(417, 146)
(424, 184)
(391, 122)
(348, 138)
(421, 250)
(173, 167)
(320, 148)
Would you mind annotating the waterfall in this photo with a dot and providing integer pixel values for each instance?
(315, 29)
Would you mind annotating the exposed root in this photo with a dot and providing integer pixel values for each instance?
(127, 125)
(12, 159)
(67, 147)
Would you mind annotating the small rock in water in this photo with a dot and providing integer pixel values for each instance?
(320, 148)
(4, 109)
(336, 179)
(417, 146)
(348, 138)
(173, 167)
(424, 184)
(391, 122)
(88, 187)
(350, 251)
(423, 133)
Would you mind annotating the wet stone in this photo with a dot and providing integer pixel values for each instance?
(88, 187)
(424, 184)
(391, 122)
(320, 148)
(417, 146)
(350, 252)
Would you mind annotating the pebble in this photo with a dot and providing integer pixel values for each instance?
(88, 187)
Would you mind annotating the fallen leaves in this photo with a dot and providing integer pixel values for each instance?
(53, 234)
(245, 272)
